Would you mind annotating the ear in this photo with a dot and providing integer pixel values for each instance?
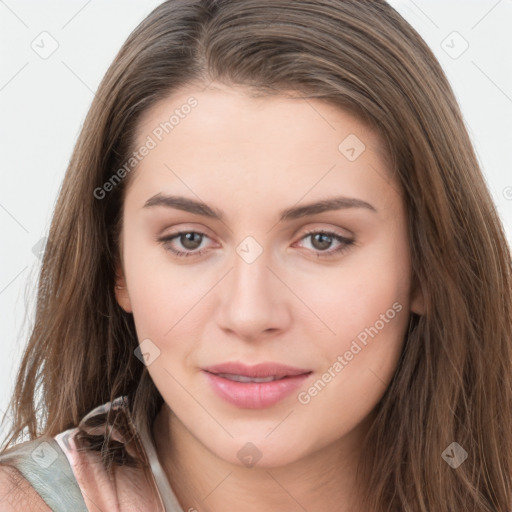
(417, 298)
(120, 289)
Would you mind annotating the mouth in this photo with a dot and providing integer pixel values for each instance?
(244, 378)
(254, 387)
(259, 371)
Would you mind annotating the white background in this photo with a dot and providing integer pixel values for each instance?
(43, 103)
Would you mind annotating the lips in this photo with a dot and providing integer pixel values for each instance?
(254, 387)
(261, 370)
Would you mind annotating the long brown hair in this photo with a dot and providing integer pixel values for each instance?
(453, 381)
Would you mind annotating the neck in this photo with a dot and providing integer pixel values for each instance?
(204, 482)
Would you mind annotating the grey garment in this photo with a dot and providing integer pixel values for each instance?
(45, 466)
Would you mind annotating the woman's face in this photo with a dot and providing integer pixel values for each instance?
(252, 184)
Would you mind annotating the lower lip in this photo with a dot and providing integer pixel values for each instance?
(254, 395)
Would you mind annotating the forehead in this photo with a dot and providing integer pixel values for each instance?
(227, 138)
(235, 115)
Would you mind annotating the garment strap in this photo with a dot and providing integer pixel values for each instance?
(43, 463)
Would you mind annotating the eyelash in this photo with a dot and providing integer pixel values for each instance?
(346, 243)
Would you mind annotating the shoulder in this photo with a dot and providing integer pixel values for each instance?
(16, 493)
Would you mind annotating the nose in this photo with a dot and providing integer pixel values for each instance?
(254, 302)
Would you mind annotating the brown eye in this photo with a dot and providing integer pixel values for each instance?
(190, 240)
(321, 241)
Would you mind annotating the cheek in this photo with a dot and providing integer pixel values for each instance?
(352, 296)
(361, 359)
(368, 304)
(161, 292)
(365, 304)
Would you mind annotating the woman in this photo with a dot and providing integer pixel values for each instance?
(274, 280)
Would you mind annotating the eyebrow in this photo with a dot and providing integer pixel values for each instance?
(199, 208)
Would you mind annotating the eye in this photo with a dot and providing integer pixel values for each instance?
(190, 240)
(322, 240)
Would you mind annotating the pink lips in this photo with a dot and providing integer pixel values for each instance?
(255, 395)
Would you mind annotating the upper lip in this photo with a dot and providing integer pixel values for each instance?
(258, 370)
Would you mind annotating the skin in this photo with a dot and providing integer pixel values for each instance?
(252, 158)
